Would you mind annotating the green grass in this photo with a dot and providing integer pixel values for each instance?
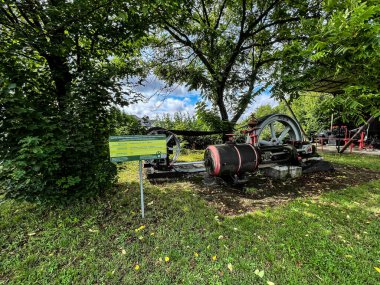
(191, 155)
(330, 240)
(357, 160)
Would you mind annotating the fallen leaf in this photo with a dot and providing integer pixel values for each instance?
(139, 229)
(123, 251)
(150, 203)
(93, 231)
(229, 266)
(220, 237)
(270, 283)
(152, 234)
(259, 273)
(31, 234)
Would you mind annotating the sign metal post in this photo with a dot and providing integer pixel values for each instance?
(132, 148)
(141, 190)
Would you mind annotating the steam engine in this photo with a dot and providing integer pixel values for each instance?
(283, 145)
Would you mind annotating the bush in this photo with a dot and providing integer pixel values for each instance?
(45, 154)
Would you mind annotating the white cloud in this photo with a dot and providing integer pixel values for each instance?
(154, 86)
(262, 99)
(160, 101)
(156, 106)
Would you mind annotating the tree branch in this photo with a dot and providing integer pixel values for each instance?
(258, 20)
(283, 21)
(25, 16)
(186, 41)
(10, 15)
(239, 43)
(278, 40)
(205, 13)
(220, 15)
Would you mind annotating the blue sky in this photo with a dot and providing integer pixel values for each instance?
(159, 101)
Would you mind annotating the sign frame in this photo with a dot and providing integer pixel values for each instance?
(137, 147)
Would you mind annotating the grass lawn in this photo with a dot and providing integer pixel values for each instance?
(329, 239)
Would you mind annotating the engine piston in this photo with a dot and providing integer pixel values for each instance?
(231, 159)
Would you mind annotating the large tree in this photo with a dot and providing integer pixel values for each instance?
(61, 65)
(225, 48)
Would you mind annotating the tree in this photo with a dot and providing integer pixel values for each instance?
(124, 124)
(343, 48)
(61, 66)
(225, 48)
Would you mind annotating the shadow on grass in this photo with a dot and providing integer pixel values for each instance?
(261, 192)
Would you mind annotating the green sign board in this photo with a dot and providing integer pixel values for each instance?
(130, 148)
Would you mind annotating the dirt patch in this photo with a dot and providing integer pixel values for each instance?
(261, 192)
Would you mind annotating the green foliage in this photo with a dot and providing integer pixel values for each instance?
(61, 68)
(211, 119)
(124, 124)
(312, 110)
(343, 47)
(351, 37)
(179, 121)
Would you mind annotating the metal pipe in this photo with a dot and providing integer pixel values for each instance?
(141, 189)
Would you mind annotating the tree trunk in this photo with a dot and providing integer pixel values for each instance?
(62, 78)
(221, 106)
(227, 128)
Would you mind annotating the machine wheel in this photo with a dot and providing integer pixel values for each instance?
(172, 143)
(276, 129)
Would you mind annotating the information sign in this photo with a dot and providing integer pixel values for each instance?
(130, 148)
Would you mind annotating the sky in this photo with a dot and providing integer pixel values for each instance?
(159, 101)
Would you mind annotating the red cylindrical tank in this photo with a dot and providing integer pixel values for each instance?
(231, 159)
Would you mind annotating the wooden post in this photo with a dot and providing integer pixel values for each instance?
(370, 120)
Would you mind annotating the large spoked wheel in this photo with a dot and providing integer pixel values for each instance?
(277, 129)
(172, 142)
